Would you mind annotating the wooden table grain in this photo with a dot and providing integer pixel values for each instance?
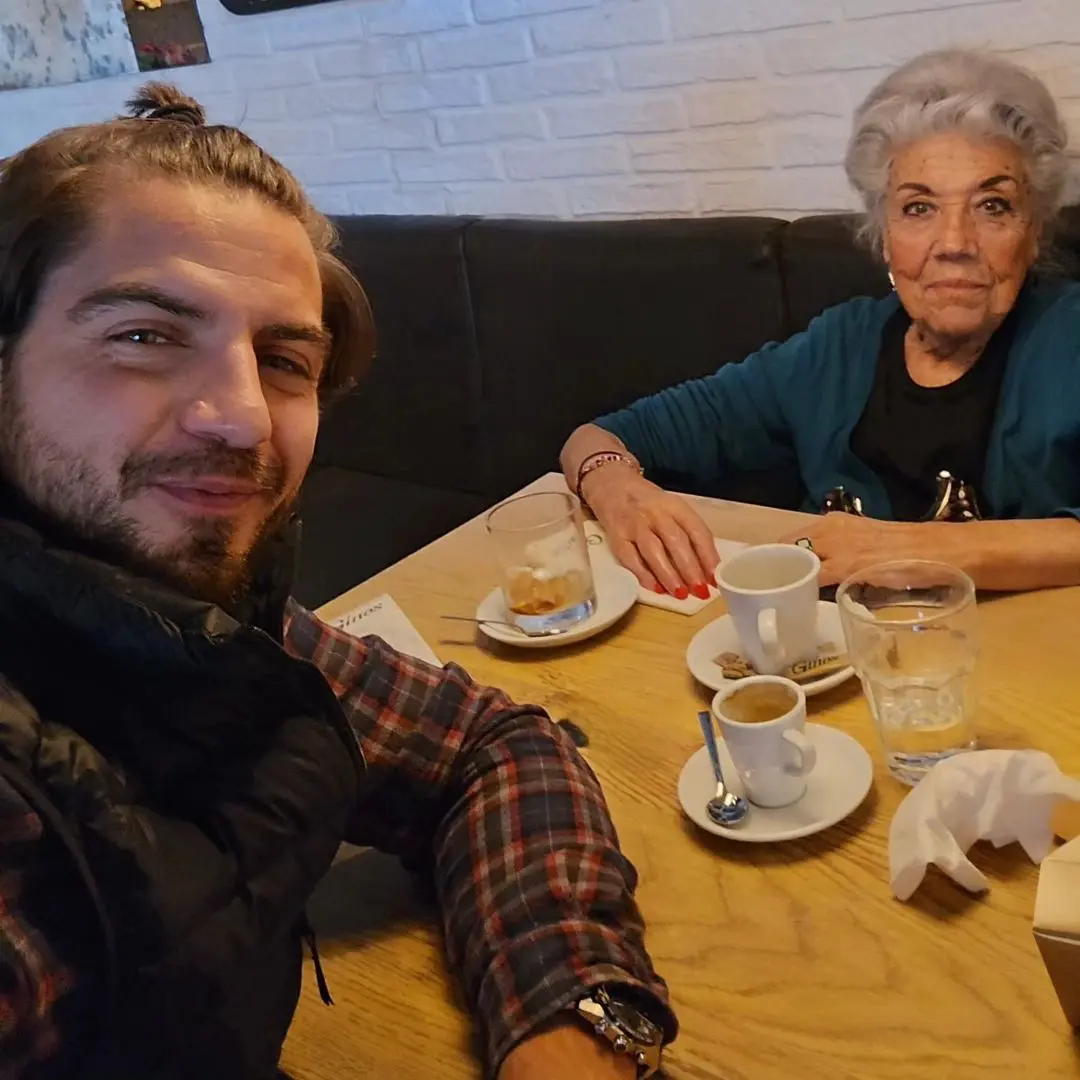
(785, 962)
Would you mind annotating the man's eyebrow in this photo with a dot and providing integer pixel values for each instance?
(116, 296)
(122, 295)
(317, 335)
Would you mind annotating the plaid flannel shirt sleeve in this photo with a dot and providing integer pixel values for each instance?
(536, 897)
(33, 982)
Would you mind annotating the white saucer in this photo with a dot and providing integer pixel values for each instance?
(616, 594)
(837, 786)
(720, 637)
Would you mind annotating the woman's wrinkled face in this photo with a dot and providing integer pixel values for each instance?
(960, 231)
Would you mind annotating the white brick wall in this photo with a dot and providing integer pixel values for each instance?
(570, 108)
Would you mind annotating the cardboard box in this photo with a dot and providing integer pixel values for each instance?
(1066, 819)
(1057, 925)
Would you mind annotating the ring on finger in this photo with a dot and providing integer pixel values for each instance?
(805, 542)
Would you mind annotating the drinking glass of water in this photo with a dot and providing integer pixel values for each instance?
(910, 631)
(540, 543)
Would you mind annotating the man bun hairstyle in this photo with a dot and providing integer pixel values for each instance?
(163, 101)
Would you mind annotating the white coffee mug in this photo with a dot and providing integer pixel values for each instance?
(772, 757)
(771, 592)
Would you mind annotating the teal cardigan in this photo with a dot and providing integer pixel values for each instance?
(794, 406)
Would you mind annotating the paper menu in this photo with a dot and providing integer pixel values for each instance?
(384, 618)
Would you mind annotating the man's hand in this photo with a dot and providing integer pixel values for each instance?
(565, 1049)
(846, 544)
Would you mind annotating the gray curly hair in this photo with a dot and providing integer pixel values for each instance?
(957, 90)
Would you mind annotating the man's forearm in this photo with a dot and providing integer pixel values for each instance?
(537, 898)
(1010, 556)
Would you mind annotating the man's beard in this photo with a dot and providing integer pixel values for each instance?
(73, 496)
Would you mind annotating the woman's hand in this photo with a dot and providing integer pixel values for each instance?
(846, 543)
(655, 534)
(1002, 556)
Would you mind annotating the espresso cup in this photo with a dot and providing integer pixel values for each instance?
(763, 720)
(771, 593)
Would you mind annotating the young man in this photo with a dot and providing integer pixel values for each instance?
(182, 747)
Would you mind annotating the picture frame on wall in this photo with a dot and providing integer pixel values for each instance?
(48, 44)
(166, 33)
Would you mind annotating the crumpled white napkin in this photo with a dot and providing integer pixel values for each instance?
(996, 795)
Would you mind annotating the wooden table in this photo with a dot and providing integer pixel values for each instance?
(785, 962)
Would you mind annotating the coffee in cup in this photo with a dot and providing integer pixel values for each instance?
(758, 703)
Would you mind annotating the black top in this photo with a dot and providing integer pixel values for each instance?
(909, 433)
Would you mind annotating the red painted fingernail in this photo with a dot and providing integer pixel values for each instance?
(701, 591)
(658, 588)
(681, 593)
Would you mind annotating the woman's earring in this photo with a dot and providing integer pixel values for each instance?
(892, 280)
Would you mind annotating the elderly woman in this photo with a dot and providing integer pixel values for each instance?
(971, 366)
